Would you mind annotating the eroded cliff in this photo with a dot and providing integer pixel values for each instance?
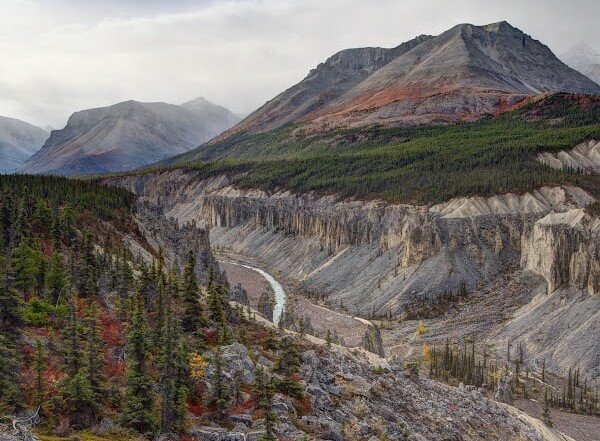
(379, 260)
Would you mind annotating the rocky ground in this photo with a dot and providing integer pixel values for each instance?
(347, 398)
(579, 427)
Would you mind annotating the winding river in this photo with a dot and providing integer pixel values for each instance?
(277, 289)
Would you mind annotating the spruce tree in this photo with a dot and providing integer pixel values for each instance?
(220, 394)
(38, 364)
(94, 354)
(55, 278)
(265, 391)
(10, 340)
(138, 410)
(288, 361)
(192, 309)
(72, 339)
(78, 400)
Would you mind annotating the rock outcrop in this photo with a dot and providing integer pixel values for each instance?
(584, 157)
(177, 241)
(564, 248)
(265, 304)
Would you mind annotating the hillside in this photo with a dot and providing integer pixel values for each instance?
(463, 73)
(126, 136)
(102, 338)
(18, 141)
(421, 164)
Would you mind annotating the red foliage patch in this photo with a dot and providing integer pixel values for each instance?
(196, 409)
(243, 407)
(112, 331)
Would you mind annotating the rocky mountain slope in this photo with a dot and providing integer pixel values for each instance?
(127, 135)
(585, 59)
(463, 73)
(18, 141)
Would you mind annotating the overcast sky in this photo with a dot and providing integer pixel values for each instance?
(59, 56)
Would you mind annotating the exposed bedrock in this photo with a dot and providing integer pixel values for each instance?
(374, 258)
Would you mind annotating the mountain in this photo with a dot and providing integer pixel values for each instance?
(585, 59)
(128, 135)
(465, 72)
(18, 141)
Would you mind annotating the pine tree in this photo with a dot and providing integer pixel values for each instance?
(78, 400)
(546, 416)
(10, 394)
(72, 339)
(288, 361)
(192, 309)
(39, 363)
(159, 306)
(138, 406)
(216, 307)
(10, 338)
(264, 388)
(55, 278)
(166, 383)
(25, 265)
(94, 358)
(219, 392)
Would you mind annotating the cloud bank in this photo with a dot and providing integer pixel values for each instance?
(60, 56)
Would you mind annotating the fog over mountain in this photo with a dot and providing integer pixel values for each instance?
(18, 141)
(93, 54)
(585, 58)
(128, 135)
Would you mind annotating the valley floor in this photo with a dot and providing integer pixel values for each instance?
(578, 427)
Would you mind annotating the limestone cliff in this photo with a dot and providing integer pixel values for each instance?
(375, 260)
(374, 257)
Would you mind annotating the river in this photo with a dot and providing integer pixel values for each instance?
(277, 289)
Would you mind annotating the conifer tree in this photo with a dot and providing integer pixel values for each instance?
(55, 278)
(78, 400)
(216, 307)
(94, 354)
(219, 392)
(25, 265)
(138, 406)
(265, 390)
(39, 363)
(192, 309)
(288, 361)
(72, 339)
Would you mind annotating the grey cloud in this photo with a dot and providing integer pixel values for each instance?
(64, 55)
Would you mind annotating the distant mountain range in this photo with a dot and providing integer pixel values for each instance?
(461, 74)
(585, 59)
(128, 135)
(18, 141)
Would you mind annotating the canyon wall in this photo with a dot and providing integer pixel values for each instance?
(374, 258)
(538, 254)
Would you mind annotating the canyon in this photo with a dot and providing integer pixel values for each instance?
(528, 263)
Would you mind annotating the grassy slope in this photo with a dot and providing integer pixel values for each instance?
(424, 164)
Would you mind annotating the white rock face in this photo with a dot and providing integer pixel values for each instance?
(564, 248)
(375, 258)
(584, 157)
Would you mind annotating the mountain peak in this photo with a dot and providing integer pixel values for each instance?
(128, 135)
(465, 72)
